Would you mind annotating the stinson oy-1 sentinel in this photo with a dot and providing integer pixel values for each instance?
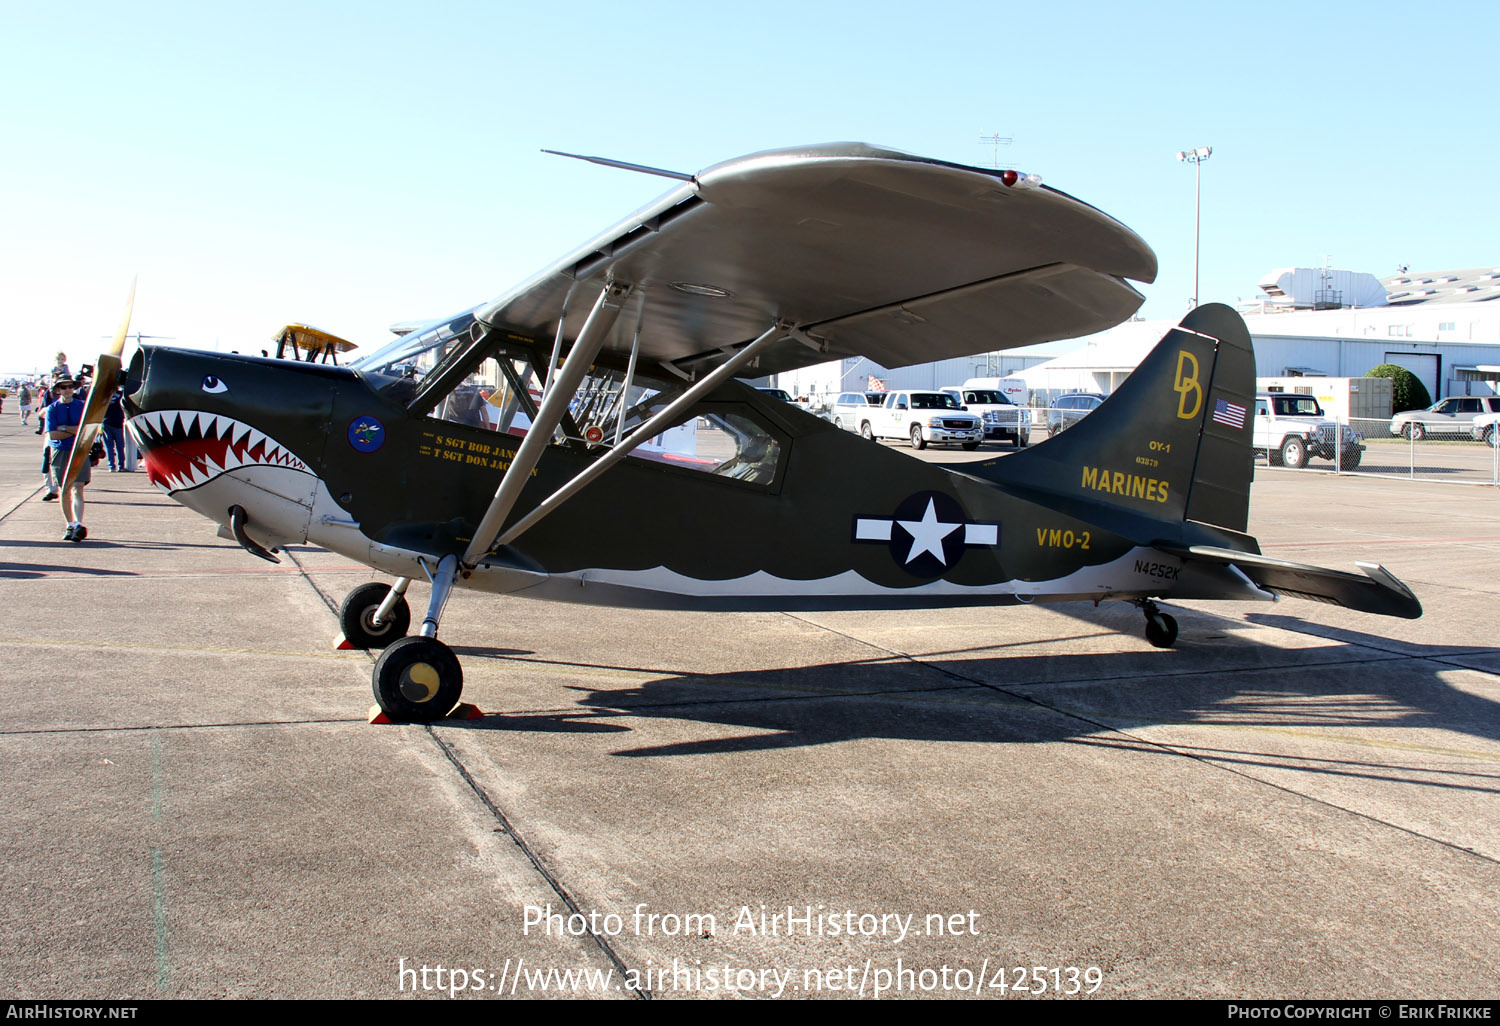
(585, 438)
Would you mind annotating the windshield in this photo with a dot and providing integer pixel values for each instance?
(413, 355)
(984, 396)
(933, 401)
(1296, 406)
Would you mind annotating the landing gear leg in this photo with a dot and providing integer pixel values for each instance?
(418, 678)
(1161, 628)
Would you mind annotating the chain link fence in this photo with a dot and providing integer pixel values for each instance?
(1447, 452)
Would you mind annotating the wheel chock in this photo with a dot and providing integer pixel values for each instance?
(341, 643)
(461, 711)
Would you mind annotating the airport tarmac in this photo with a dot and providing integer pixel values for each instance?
(1296, 801)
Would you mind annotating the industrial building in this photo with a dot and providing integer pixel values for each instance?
(1318, 322)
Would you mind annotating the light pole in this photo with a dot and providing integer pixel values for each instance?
(1196, 158)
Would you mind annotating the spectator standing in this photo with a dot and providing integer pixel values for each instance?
(114, 431)
(62, 420)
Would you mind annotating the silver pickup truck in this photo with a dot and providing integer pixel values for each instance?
(922, 417)
(1001, 417)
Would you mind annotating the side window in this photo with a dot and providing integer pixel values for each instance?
(1260, 408)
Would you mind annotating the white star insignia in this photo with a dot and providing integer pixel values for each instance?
(927, 534)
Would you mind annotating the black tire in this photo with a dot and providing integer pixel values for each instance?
(1492, 437)
(1273, 457)
(358, 608)
(417, 680)
(1351, 458)
(1161, 630)
(1021, 440)
(1294, 452)
(865, 432)
(971, 446)
(1416, 432)
(917, 441)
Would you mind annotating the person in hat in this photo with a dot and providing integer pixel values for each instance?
(62, 420)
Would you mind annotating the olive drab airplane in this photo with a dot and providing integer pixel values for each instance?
(585, 437)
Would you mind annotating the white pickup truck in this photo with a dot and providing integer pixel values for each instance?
(1001, 417)
(922, 417)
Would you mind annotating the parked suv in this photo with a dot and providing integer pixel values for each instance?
(1451, 416)
(1291, 427)
(1486, 428)
(851, 408)
(1068, 410)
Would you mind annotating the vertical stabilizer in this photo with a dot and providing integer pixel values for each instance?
(1171, 443)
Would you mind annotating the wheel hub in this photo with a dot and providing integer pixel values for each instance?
(419, 682)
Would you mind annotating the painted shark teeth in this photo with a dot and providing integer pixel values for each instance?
(187, 448)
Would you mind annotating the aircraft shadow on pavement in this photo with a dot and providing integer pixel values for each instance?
(1090, 699)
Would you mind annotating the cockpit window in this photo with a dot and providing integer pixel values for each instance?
(413, 355)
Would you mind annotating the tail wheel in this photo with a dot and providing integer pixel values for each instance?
(357, 617)
(917, 441)
(1161, 629)
(417, 680)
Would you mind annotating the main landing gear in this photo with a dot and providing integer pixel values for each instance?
(1161, 628)
(416, 679)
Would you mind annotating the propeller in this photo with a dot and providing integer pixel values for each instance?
(106, 378)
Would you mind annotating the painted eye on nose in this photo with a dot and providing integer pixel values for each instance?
(213, 384)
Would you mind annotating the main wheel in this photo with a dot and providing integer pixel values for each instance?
(1416, 432)
(357, 617)
(1161, 630)
(417, 680)
(1294, 453)
(917, 441)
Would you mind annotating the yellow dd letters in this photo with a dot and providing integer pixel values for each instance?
(1187, 383)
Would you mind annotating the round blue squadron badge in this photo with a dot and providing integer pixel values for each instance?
(366, 434)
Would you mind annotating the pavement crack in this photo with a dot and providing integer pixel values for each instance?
(600, 941)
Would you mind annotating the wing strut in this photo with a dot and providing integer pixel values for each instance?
(653, 426)
(554, 405)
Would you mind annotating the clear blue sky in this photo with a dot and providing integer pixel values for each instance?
(351, 165)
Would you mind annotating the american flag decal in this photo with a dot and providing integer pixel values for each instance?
(1229, 414)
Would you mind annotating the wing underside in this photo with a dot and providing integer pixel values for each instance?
(863, 251)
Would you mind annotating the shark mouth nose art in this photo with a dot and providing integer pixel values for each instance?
(184, 448)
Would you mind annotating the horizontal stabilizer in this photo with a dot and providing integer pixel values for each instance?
(1377, 592)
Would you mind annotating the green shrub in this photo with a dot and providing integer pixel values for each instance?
(1407, 390)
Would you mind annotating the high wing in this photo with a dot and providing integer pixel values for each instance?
(863, 251)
